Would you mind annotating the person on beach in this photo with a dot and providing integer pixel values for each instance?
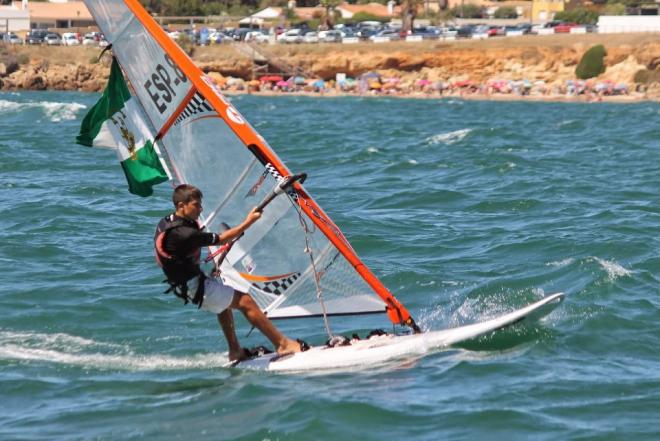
(178, 242)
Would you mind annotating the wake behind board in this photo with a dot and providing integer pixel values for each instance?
(379, 349)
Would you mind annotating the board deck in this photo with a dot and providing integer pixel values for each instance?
(379, 349)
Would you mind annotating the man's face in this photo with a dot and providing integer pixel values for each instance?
(190, 210)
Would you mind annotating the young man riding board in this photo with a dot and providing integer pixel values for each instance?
(178, 241)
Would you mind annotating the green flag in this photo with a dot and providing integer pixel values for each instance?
(116, 122)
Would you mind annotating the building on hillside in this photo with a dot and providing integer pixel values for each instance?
(545, 10)
(59, 15)
(14, 16)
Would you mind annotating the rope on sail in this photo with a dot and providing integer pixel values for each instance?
(308, 250)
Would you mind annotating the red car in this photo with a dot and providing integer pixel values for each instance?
(564, 28)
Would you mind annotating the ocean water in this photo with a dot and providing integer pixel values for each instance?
(465, 209)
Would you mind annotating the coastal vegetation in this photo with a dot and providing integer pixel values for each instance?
(591, 65)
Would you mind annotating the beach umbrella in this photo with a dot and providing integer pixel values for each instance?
(370, 76)
(423, 82)
(464, 83)
(299, 80)
(271, 78)
(254, 82)
(319, 83)
(282, 83)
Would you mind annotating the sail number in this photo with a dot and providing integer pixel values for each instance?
(161, 83)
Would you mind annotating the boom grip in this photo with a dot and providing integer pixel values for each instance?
(283, 187)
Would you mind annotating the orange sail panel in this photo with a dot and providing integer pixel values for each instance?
(211, 145)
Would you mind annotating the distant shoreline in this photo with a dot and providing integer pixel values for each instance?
(617, 99)
(546, 60)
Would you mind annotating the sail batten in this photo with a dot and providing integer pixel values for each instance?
(290, 257)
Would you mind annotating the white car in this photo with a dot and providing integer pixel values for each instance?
(53, 39)
(12, 38)
(311, 37)
(291, 36)
(89, 40)
(70, 39)
(256, 36)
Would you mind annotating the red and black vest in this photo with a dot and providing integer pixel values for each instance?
(178, 269)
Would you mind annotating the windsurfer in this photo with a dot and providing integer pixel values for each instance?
(178, 243)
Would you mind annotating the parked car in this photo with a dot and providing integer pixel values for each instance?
(36, 36)
(12, 38)
(70, 39)
(464, 31)
(526, 28)
(331, 37)
(257, 37)
(311, 37)
(90, 39)
(291, 36)
(390, 34)
(564, 28)
(53, 39)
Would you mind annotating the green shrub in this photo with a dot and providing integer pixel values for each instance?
(365, 16)
(467, 11)
(592, 63)
(505, 12)
(614, 9)
(578, 15)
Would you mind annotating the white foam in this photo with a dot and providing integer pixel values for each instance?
(372, 150)
(9, 105)
(448, 138)
(614, 270)
(413, 162)
(565, 123)
(77, 351)
(561, 263)
(55, 111)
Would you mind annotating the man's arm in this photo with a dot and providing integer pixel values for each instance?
(232, 233)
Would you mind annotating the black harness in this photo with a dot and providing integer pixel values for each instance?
(179, 269)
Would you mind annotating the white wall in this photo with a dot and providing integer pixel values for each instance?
(608, 24)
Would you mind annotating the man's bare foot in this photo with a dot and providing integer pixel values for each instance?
(288, 347)
(238, 355)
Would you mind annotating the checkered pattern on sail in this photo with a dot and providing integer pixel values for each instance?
(276, 286)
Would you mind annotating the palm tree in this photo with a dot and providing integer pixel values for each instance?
(328, 17)
(408, 13)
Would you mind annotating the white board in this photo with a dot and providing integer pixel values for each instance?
(388, 347)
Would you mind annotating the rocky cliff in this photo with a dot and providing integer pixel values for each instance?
(630, 59)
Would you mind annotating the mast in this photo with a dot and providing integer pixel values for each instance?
(173, 82)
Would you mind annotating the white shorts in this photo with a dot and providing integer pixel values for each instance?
(217, 295)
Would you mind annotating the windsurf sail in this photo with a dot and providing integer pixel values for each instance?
(295, 262)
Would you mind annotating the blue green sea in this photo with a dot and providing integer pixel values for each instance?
(464, 209)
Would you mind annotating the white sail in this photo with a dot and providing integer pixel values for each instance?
(209, 144)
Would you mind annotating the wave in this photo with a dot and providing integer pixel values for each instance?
(561, 263)
(614, 270)
(449, 138)
(77, 351)
(55, 111)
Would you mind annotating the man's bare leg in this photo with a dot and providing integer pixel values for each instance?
(244, 303)
(226, 319)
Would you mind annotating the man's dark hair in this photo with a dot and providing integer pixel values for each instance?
(186, 193)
